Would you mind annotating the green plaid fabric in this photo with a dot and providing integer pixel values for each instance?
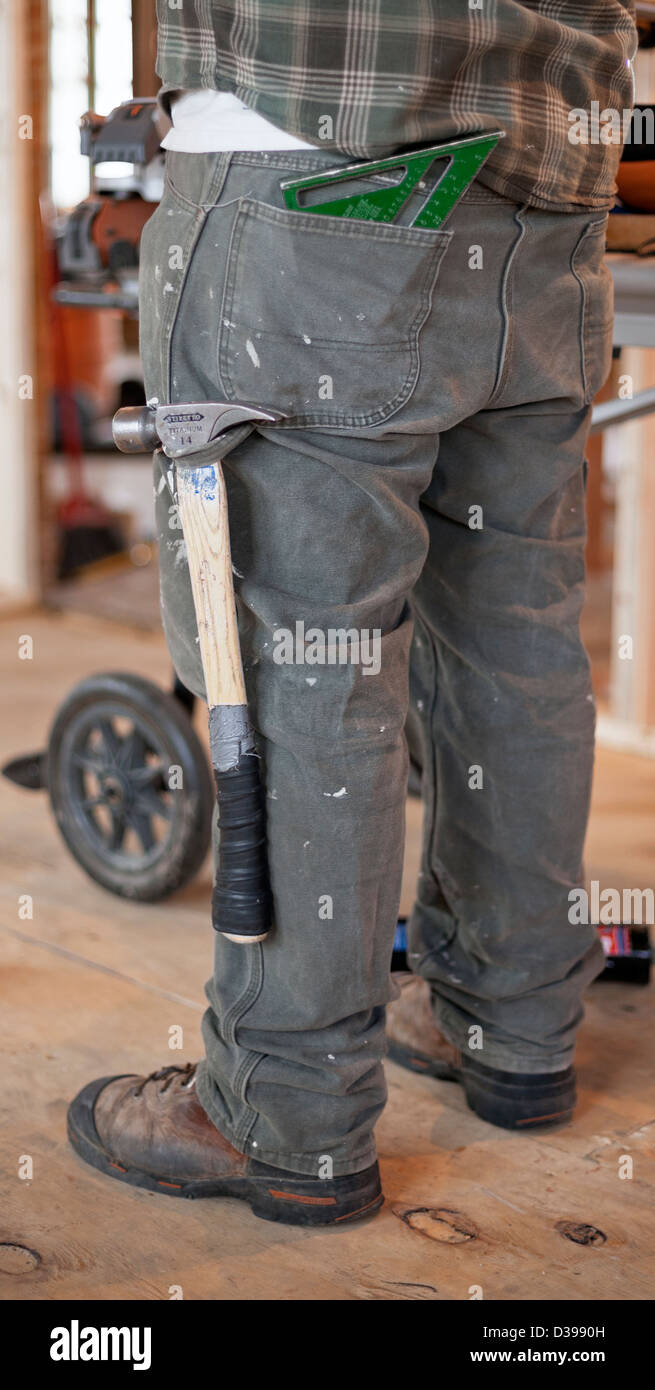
(369, 77)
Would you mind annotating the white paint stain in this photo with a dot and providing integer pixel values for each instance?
(168, 288)
(336, 795)
(310, 680)
(180, 549)
(252, 353)
(305, 338)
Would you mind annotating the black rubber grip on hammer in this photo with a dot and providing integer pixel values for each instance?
(242, 902)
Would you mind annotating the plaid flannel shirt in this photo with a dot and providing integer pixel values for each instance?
(371, 77)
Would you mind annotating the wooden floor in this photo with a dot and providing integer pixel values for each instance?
(93, 984)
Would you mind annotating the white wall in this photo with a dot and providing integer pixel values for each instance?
(18, 464)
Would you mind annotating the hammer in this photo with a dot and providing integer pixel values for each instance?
(242, 900)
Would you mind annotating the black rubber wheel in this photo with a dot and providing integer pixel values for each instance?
(130, 786)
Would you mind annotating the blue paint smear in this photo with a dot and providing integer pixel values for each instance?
(203, 482)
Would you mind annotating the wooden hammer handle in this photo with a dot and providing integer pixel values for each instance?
(242, 901)
(202, 501)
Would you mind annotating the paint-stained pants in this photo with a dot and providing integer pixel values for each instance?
(429, 484)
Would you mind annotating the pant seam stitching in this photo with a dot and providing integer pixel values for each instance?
(244, 1077)
(215, 186)
(506, 305)
(246, 1000)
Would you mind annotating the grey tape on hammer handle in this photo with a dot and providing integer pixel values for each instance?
(231, 735)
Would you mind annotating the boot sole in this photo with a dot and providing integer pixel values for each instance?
(505, 1099)
(292, 1200)
(511, 1101)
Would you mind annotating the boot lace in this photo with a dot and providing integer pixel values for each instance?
(168, 1075)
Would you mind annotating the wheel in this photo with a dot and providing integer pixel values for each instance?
(130, 786)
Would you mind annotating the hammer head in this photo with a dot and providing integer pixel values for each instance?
(134, 430)
(184, 429)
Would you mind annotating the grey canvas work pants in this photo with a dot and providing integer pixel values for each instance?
(429, 487)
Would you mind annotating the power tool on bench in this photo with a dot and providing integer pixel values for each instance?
(98, 243)
(94, 266)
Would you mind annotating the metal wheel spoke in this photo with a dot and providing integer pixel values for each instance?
(133, 752)
(118, 829)
(88, 763)
(110, 738)
(92, 801)
(141, 824)
(143, 776)
(150, 804)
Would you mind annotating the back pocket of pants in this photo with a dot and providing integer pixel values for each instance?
(321, 316)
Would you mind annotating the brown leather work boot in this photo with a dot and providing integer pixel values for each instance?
(152, 1132)
(413, 1039)
(513, 1100)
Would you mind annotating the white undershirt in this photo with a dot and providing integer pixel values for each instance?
(207, 122)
